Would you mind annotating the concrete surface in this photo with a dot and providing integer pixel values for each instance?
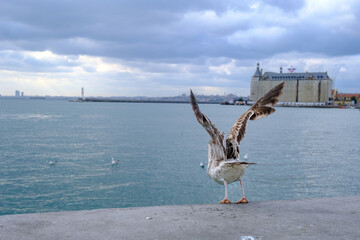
(332, 218)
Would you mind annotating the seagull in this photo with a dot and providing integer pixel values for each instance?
(114, 162)
(202, 165)
(223, 164)
(245, 156)
(52, 162)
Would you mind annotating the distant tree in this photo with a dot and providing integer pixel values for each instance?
(240, 99)
(353, 98)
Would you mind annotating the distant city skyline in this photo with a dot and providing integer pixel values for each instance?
(157, 48)
(82, 95)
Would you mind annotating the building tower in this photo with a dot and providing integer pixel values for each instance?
(82, 94)
(255, 83)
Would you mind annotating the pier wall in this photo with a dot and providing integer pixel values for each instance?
(330, 218)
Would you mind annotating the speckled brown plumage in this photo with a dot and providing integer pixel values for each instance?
(260, 109)
(214, 133)
(223, 165)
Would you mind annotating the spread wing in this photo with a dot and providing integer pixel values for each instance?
(214, 133)
(262, 108)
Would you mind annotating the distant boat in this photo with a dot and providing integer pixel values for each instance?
(37, 97)
(245, 156)
(227, 103)
(52, 162)
(202, 165)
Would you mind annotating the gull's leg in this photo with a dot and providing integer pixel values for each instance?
(243, 199)
(226, 199)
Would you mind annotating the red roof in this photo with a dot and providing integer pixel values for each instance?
(357, 95)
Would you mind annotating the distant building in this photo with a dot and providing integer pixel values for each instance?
(17, 93)
(308, 87)
(345, 98)
(22, 94)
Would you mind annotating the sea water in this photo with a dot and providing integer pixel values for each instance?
(300, 153)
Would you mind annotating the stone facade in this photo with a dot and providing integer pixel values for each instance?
(299, 87)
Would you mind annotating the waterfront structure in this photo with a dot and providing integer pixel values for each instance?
(82, 94)
(307, 87)
(345, 98)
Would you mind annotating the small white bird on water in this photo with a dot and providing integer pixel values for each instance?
(223, 165)
(245, 157)
(52, 162)
(114, 162)
(202, 165)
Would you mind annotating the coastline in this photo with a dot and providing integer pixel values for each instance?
(201, 102)
(324, 218)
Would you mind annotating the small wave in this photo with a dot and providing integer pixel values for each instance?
(27, 116)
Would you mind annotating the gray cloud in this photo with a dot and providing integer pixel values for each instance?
(167, 29)
(177, 43)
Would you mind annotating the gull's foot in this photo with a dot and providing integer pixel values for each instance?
(225, 201)
(243, 200)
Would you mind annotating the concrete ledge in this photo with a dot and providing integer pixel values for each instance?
(332, 218)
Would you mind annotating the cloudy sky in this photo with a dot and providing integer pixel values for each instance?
(164, 48)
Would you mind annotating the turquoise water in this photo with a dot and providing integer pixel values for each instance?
(300, 153)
